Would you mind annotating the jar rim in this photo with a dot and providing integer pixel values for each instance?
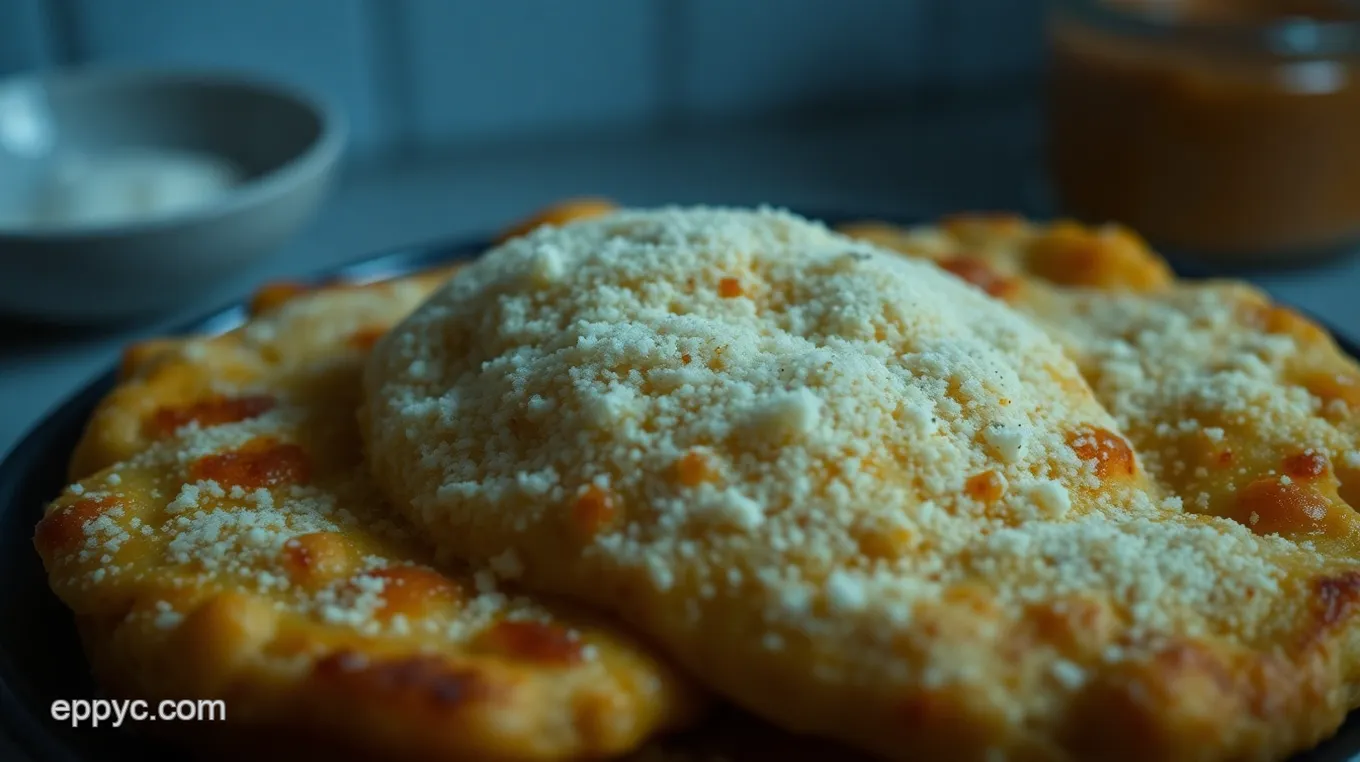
(1288, 37)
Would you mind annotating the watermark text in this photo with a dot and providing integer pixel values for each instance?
(114, 712)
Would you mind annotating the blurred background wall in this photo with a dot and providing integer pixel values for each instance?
(418, 73)
(467, 114)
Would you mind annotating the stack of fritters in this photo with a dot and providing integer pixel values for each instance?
(1017, 495)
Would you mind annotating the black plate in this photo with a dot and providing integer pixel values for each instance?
(40, 655)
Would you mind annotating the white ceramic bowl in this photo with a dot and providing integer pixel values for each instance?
(282, 146)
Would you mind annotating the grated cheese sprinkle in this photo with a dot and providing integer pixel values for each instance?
(837, 383)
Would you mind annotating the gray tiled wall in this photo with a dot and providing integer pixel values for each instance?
(489, 67)
(23, 38)
(757, 54)
(438, 71)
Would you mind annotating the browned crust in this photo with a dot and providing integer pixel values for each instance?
(295, 685)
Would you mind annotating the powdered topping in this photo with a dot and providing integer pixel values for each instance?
(1214, 386)
(1211, 402)
(238, 498)
(256, 538)
(837, 386)
(248, 556)
(780, 454)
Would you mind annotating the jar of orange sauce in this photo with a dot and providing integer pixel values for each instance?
(1229, 129)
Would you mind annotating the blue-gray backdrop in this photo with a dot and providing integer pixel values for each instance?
(419, 72)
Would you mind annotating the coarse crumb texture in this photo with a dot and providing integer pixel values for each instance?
(849, 491)
(166, 383)
(244, 554)
(1239, 407)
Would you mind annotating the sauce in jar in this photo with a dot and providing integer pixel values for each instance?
(1226, 128)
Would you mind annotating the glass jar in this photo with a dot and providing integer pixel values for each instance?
(1229, 129)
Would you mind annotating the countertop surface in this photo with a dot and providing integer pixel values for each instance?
(917, 164)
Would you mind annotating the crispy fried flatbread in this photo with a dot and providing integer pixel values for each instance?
(852, 493)
(1237, 406)
(225, 542)
(211, 380)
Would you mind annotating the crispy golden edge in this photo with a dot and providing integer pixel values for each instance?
(1185, 671)
(560, 213)
(149, 370)
(1195, 695)
(1118, 261)
(1063, 253)
(1188, 696)
(286, 679)
(115, 431)
(271, 296)
(292, 673)
(1205, 693)
(152, 376)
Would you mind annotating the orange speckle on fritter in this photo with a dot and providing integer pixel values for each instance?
(1108, 451)
(1271, 506)
(1069, 624)
(533, 641)
(985, 487)
(729, 288)
(1071, 254)
(261, 462)
(980, 274)
(1271, 318)
(1308, 464)
(883, 542)
(595, 511)
(412, 590)
(64, 528)
(1334, 387)
(214, 411)
(317, 557)
(694, 468)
